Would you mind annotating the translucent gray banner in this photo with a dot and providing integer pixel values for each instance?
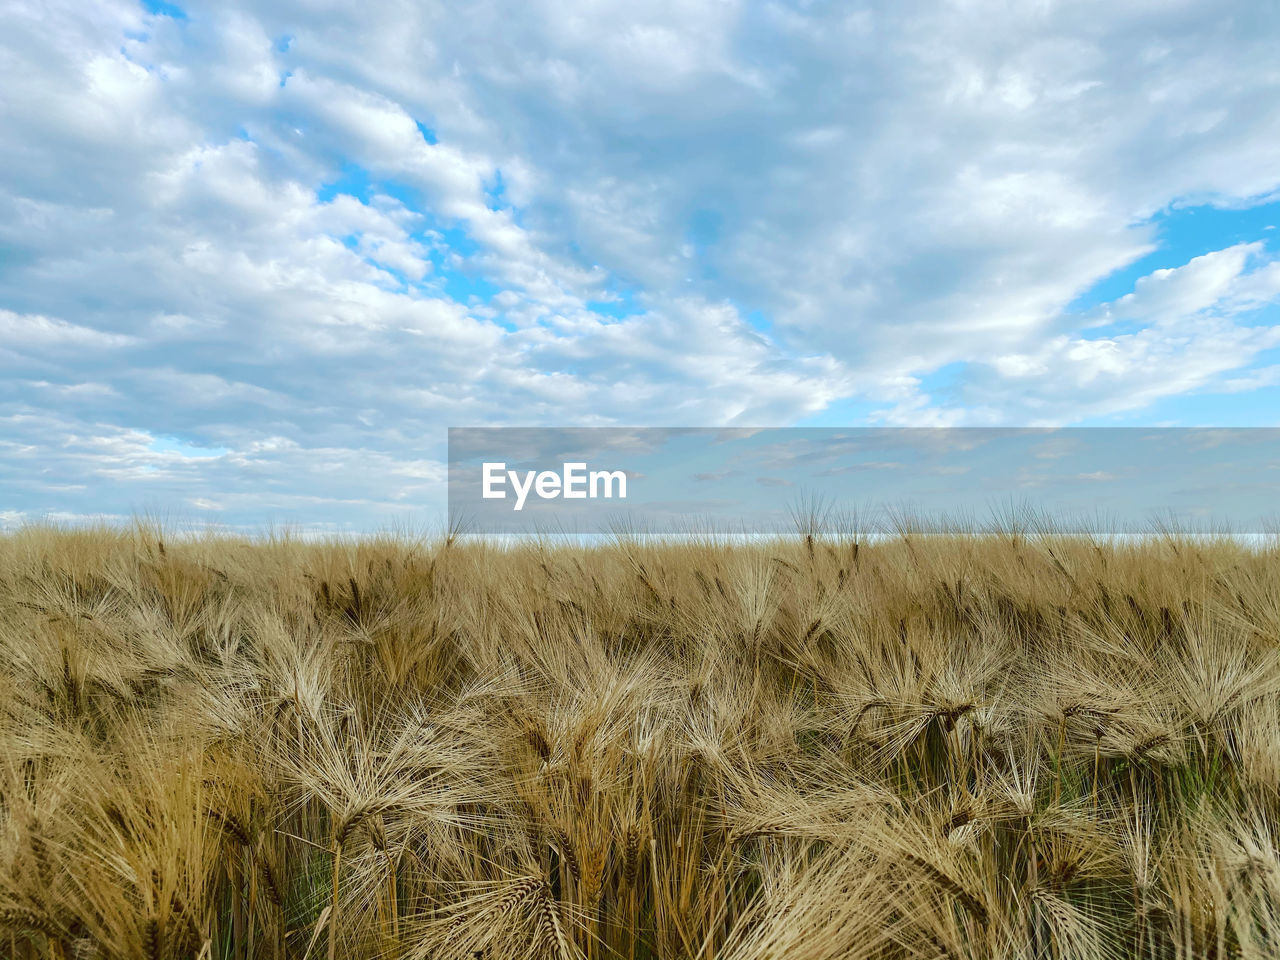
(518, 480)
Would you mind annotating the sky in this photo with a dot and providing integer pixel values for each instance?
(257, 257)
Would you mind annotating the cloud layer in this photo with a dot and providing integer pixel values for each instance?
(254, 257)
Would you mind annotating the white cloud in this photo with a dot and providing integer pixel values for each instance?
(31, 331)
(1264, 377)
(1215, 279)
(894, 189)
(1186, 338)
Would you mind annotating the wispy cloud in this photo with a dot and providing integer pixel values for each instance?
(315, 237)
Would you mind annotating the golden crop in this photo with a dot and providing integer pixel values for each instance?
(918, 747)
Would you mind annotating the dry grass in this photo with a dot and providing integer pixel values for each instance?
(989, 747)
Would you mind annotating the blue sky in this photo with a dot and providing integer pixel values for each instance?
(256, 257)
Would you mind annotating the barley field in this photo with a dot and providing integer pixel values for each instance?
(1003, 746)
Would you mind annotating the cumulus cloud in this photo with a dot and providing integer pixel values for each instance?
(1185, 336)
(314, 236)
(28, 332)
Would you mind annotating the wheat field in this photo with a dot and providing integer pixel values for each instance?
(1003, 746)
